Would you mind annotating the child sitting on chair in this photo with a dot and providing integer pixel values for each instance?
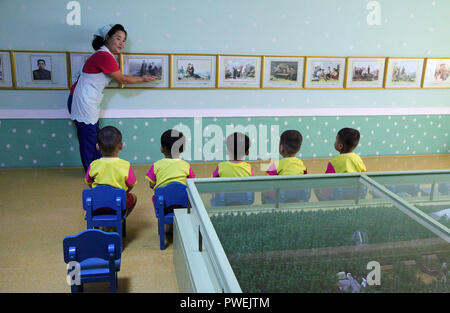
(238, 146)
(170, 169)
(290, 144)
(110, 169)
(347, 161)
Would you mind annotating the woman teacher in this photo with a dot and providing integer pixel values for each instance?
(87, 93)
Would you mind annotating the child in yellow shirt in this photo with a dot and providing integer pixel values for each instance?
(170, 169)
(347, 161)
(110, 169)
(238, 146)
(290, 144)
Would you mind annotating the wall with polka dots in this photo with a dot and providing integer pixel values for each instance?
(35, 130)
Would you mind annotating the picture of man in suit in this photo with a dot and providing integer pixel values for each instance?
(41, 73)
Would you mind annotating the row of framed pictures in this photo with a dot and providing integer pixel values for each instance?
(59, 70)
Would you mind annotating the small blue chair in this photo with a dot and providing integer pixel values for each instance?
(173, 195)
(105, 196)
(97, 255)
(287, 196)
(232, 198)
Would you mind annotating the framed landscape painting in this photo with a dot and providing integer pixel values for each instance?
(147, 64)
(365, 72)
(437, 73)
(283, 72)
(239, 71)
(324, 72)
(404, 72)
(193, 71)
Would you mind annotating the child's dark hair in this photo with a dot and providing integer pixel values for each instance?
(170, 138)
(98, 41)
(291, 140)
(349, 138)
(108, 138)
(238, 145)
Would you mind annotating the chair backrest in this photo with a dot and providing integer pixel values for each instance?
(174, 194)
(92, 243)
(104, 196)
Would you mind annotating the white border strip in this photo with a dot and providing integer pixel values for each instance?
(150, 113)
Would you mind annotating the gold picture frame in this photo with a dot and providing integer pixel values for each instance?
(193, 71)
(30, 69)
(159, 65)
(317, 77)
(6, 70)
(239, 71)
(404, 72)
(436, 73)
(282, 72)
(364, 72)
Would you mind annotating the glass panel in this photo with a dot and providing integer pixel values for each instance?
(429, 194)
(276, 193)
(329, 250)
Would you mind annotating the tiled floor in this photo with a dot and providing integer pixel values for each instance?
(39, 207)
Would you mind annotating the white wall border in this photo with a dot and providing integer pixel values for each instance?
(186, 113)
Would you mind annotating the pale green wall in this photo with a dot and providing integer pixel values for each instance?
(264, 27)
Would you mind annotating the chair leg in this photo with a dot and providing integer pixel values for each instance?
(76, 288)
(162, 240)
(113, 283)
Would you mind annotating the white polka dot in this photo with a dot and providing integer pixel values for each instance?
(20, 157)
(61, 164)
(14, 130)
(34, 161)
(134, 137)
(152, 139)
(8, 146)
(53, 135)
(69, 135)
(58, 152)
(27, 146)
(44, 145)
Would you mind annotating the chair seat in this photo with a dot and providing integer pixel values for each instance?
(97, 263)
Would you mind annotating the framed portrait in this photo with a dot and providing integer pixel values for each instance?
(437, 73)
(365, 72)
(147, 64)
(283, 72)
(6, 81)
(193, 71)
(239, 71)
(77, 60)
(40, 70)
(324, 72)
(404, 72)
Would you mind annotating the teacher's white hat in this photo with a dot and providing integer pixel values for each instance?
(103, 31)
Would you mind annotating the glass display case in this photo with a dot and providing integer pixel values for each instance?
(358, 232)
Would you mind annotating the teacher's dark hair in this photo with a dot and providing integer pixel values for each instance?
(98, 41)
